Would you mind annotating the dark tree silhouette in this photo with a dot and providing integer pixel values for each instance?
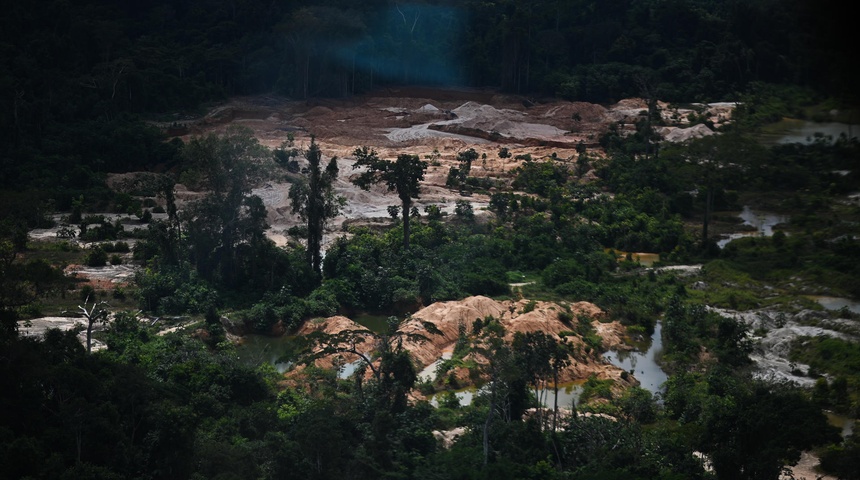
(402, 176)
(313, 198)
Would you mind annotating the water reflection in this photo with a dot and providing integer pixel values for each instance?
(643, 364)
(347, 369)
(374, 323)
(255, 350)
(568, 395)
(762, 222)
(464, 396)
(842, 422)
(837, 303)
(428, 374)
(806, 132)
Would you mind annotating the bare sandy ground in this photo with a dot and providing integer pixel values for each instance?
(424, 121)
(37, 327)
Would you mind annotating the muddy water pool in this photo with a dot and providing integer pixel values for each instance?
(255, 350)
(642, 362)
(837, 303)
(792, 130)
(763, 223)
(646, 259)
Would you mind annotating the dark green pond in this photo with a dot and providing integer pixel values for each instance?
(254, 350)
(791, 130)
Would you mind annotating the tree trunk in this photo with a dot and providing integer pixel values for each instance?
(488, 421)
(555, 400)
(709, 200)
(407, 203)
(90, 322)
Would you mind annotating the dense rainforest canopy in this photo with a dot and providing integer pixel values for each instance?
(72, 72)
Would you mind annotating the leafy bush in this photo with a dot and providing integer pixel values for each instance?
(87, 293)
(96, 257)
(118, 247)
(174, 291)
(529, 306)
(118, 293)
(562, 271)
(594, 388)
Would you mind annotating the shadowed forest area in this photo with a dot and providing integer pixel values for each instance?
(434, 281)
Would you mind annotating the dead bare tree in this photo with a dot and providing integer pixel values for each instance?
(96, 313)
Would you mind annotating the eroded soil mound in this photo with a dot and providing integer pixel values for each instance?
(333, 326)
(520, 316)
(435, 124)
(515, 316)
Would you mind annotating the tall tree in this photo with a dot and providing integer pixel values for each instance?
(506, 388)
(715, 161)
(96, 313)
(402, 176)
(228, 219)
(314, 200)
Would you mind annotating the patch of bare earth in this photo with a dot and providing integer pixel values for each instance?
(541, 317)
(420, 121)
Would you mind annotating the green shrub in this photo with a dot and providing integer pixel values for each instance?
(96, 257)
(118, 293)
(31, 310)
(117, 247)
(594, 388)
(565, 317)
(530, 306)
(562, 271)
(87, 293)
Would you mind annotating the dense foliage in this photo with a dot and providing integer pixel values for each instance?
(75, 75)
(77, 78)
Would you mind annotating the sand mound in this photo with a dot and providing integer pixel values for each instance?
(448, 316)
(318, 111)
(629, 109)
(579, 112)
(540, 317)
(490, 123)
(677, 134)
(428, 108)
(332, 326)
